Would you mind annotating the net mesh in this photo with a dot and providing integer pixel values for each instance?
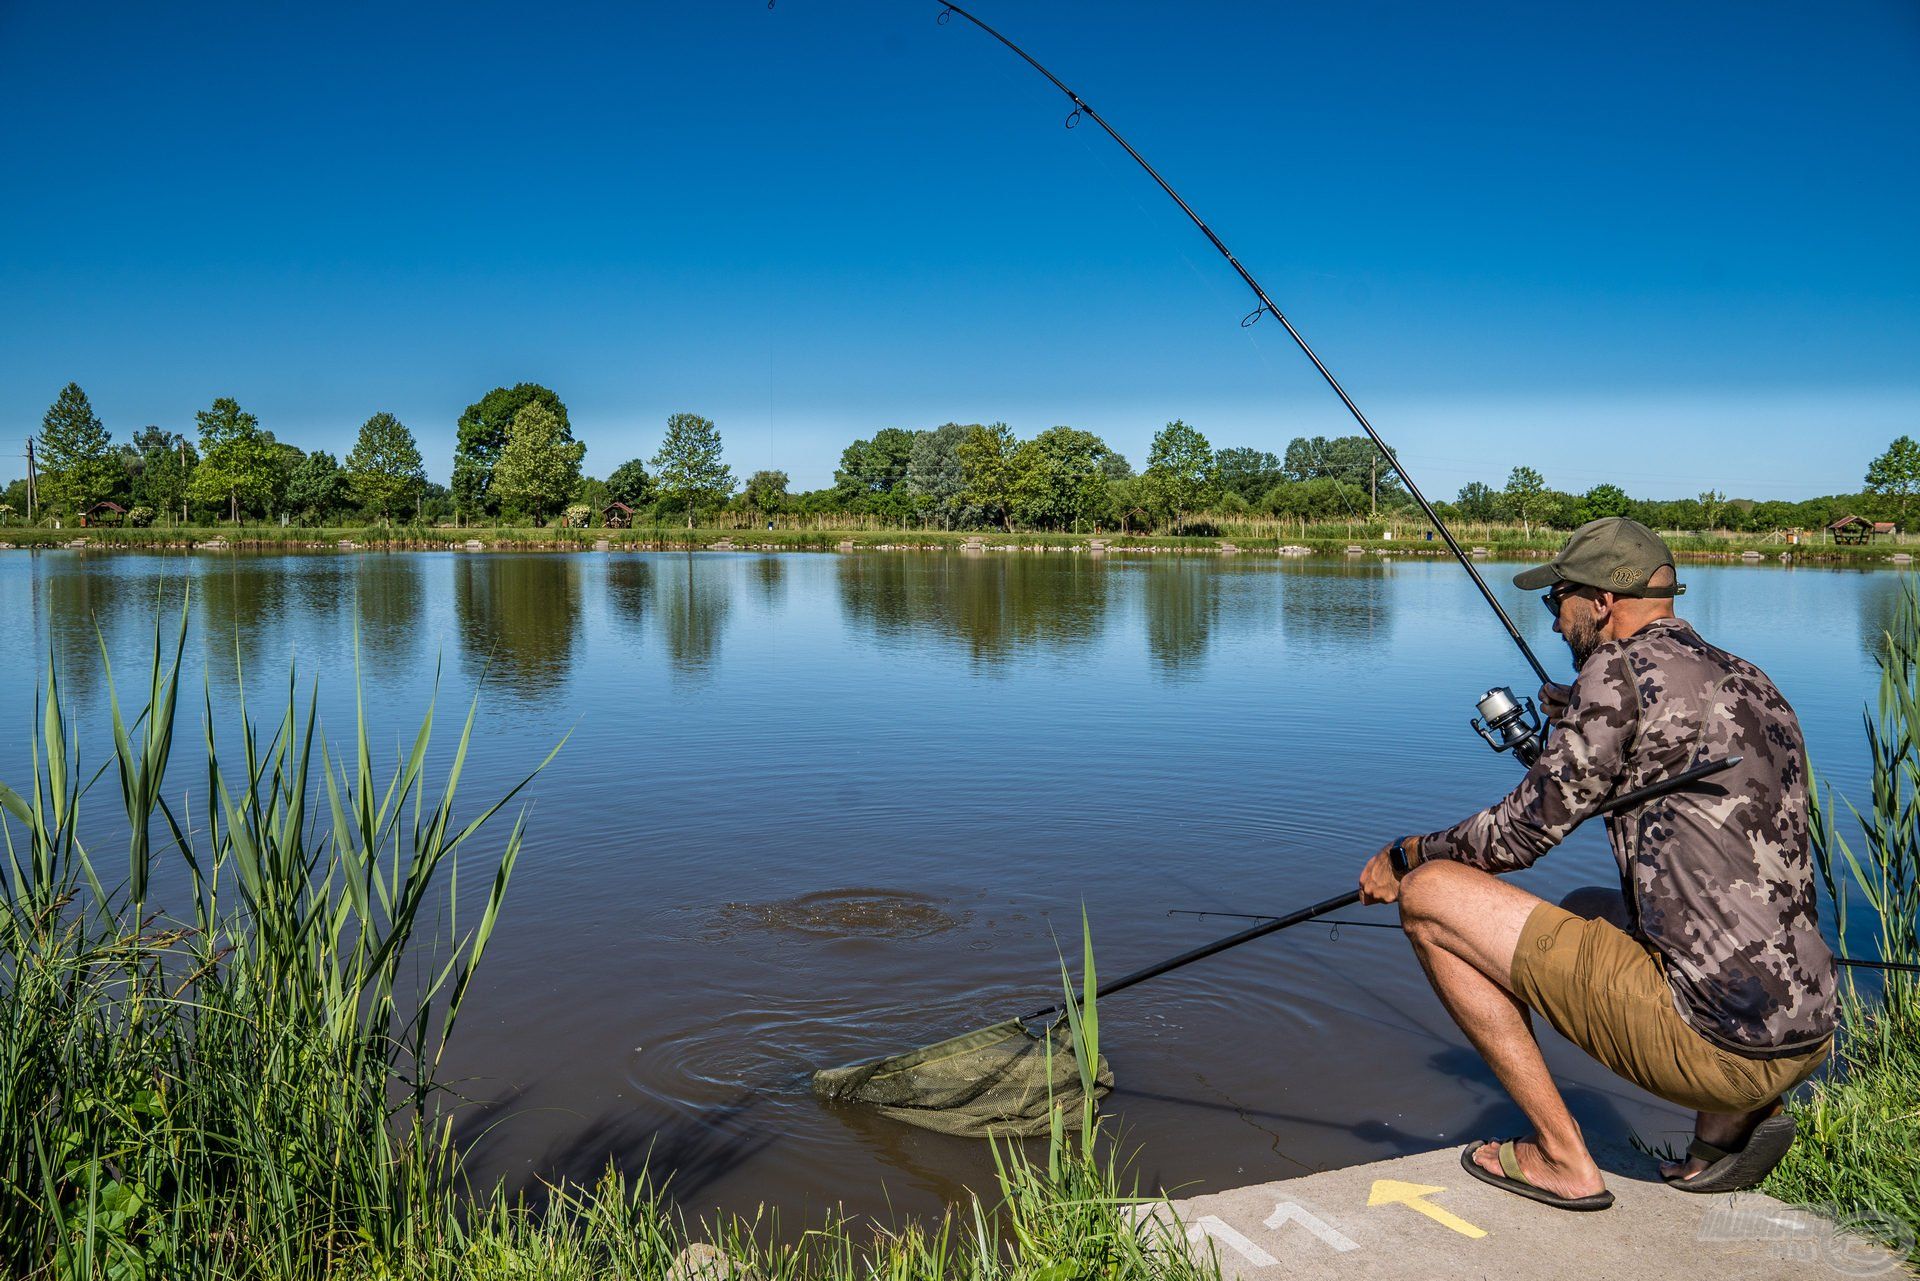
(999, 1081)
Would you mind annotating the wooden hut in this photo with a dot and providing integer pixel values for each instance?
(103, 513)
(1854, 530)
(617, 516)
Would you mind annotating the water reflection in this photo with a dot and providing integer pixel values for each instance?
(995, 603)
(1182, 599)
(75, 598)
(392, 608)
(691, 601)
(629, 581)
(769, 575)
(521, 614)
(1336, 604)
(1877, 610)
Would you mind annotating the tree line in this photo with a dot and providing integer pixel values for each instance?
(516, 461)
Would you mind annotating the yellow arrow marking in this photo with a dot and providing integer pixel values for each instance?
(1392, 1191)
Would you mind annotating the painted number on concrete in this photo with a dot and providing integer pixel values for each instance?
(1285, 1212)
(1211, 1225)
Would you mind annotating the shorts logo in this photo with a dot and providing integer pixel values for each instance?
(1625, 576)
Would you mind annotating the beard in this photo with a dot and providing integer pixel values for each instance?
(1582, 635)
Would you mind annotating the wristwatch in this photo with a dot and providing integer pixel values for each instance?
(1397, 856)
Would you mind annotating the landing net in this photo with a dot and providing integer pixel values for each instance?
(1001, 1081)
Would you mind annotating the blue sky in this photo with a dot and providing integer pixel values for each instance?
(1670, 245)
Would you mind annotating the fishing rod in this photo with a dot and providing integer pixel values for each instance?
(1862, 963)
(1518, 726)
(1274, 924)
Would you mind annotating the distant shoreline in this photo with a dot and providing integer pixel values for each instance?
(1498, 546)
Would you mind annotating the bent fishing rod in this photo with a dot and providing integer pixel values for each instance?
(1268, 307)
(1274, 924)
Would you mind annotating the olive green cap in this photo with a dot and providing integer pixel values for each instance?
(1613, 553)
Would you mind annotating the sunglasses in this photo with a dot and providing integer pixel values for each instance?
(1555, 597)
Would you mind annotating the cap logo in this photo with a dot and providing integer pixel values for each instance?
(1625, 576)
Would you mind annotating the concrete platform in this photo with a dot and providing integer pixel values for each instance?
(1423, 1217)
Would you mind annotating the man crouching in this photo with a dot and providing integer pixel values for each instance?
(1704, 980)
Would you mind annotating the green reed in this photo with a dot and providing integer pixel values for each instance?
(1859, 1152)
(246, 1086)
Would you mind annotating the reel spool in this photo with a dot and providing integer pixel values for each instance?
(1510, 724)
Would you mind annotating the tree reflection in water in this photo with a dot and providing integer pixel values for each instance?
(691, 601)
(521, 614)
(1336, 604)
(391, 600)
(997, 604)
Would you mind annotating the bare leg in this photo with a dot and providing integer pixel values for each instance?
(1464, 925)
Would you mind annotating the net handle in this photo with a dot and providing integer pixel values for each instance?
(1625, 801)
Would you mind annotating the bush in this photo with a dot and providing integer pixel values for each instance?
(139, 517)
(577, 515)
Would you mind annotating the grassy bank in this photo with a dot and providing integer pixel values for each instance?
(1257, 537)
(243, 1082)
(1859, 1151)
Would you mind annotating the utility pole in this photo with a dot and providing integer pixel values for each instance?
(33, 483)
(183, 474)
(1373, 485)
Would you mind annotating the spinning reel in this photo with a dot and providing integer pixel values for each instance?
(1511, 725)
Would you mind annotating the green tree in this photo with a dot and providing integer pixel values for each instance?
(483, 430)
(986, 469)
(1308, 500)
(282, 460)
(385, 468)
(538, 470)
(870, 470)
(1058, 480)
(1179, 475)
(1478, 501)
(1352, 461)
(1896, 473)
(1250, 473)
(163, 471)
(766, 492)
(1712, 502)
(238, 461)
(77, 461)
(1525, 496)
(935, 479)
(316, 488)
(630, 484)
(690, 467)
(1604, 500)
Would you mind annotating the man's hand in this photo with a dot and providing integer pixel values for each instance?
(1379, 883)
(1555, 699)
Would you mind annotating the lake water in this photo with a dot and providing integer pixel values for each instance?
(816, 807)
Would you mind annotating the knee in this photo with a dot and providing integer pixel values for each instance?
(1425, 891)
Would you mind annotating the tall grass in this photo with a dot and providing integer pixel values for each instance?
(245, 1085)
(1860, 1150)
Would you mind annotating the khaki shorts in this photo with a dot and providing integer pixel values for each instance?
(1604, 990)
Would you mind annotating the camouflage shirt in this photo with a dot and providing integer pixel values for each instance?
(1718, 877)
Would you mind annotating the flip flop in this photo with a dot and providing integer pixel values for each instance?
(1512, 1180)
(1744, 1167)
